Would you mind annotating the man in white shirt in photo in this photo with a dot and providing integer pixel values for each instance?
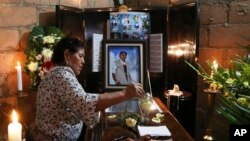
(120, 70)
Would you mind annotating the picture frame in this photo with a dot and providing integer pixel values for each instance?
(135, 63)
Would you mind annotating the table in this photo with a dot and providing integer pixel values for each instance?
(177, 103)
(108, 131)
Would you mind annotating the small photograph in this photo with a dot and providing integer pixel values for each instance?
(115, 35)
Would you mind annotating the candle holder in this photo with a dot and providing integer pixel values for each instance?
(21, 96)
(211, 95)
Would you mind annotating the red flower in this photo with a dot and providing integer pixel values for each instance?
(47, 66)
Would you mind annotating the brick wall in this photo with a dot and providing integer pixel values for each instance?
(17, 17)
(224, 28)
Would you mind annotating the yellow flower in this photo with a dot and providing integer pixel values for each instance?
(48, 39)
(230, 81)
(32, 66)
(156, 120)
(130, 122)
(159, 115)
(213, 86)
(47, 53)
(242, 101)
(226, 94)
(246, 84)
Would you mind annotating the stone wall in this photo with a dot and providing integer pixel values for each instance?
(16, 21)
(224, 29)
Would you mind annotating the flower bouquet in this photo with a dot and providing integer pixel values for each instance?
(41, 42)
(130, 119)
(234, 85)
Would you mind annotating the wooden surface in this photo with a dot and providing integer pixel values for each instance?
(110, 129)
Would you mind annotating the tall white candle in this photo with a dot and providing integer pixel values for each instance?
(19, 77)
(14, 129)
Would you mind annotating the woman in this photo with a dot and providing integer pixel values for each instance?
(62, 104)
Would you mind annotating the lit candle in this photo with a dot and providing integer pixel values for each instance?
(19, 77)
(215, 65)
(14, 129)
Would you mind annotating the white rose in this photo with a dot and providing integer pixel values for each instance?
(47, 53)
(33, 66)
(238, 73)
(48, 39)
(39, 57)
(130, 122)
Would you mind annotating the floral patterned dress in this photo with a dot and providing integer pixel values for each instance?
(63, 105)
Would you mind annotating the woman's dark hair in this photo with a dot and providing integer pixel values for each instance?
(70, 43)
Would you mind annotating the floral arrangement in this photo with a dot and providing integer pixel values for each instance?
(41, 42)
(130, 119)
(233, 84)
(130, 122)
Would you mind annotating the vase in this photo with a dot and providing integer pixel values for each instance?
(211, 96)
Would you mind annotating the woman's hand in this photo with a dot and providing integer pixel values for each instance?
(134, 90)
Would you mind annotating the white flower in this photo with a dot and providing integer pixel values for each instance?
(238, 73)
(33, 66)
(130, 122)
(246, 84)
(39, 57)
(48, 39)
(36, 37)
(230, 81)
(47, 53)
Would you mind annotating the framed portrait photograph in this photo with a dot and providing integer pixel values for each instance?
(124, 63)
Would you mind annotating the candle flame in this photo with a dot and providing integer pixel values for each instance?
(152, 107)
(18, 63)
(14, 116)
(215, 64)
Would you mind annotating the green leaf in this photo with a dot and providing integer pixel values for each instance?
(53, 30)
(235, 82)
